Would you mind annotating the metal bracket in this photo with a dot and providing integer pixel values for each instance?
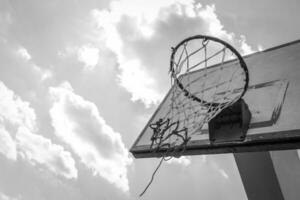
(231, 124)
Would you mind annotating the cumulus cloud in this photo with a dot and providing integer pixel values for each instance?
(7, 144)
(78, 123)
(89, 56)
(18, 137)
(39, 150)
(246, 48)
(260, 47)
(183, 160)
(141, 34)
(6, 197)
(22, 52)
(138, 83)
(133, 77)
(214, 25)
(15, 111)
(44, 74)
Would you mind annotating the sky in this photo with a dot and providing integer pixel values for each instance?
(80, 79)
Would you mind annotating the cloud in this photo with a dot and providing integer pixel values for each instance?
(39, 150)
(78, 123)
(133, 77)
(183, 160)
(138, 83)
(22, 52)
(44, 74)
(89, 56)
(15, 111)
(246, 49)
(6, 197)
(17, 137)
(214, 25)
(260, 47)
(140, 34)
(7, 144)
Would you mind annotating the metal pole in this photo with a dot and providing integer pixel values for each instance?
(258, 176)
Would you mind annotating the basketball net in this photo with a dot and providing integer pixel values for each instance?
(207, 76)
(203, 84)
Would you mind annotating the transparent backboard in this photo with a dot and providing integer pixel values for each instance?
(273, 98)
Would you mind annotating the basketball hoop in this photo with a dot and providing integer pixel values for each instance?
(197, 98)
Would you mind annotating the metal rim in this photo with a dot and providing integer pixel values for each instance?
(231, 48)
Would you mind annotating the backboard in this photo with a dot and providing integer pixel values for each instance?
(273, 97)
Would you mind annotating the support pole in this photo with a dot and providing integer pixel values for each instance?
(258, 176)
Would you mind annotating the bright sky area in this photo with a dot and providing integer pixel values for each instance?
(80, 79)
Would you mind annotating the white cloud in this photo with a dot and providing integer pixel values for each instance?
(78, 123)
(17, 128)
(86, 54)
(89, 56)
(107, 21)
(22, 52)
(260, 47)
(14, 110)
(144, 13)
(6, 197)
(246, 49)
(45, 74)
(39, 150)
(7, 144)
(133, 77)
(183, 160)
(138, 83)
(215, 27)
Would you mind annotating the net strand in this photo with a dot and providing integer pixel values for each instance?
(152, 177)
